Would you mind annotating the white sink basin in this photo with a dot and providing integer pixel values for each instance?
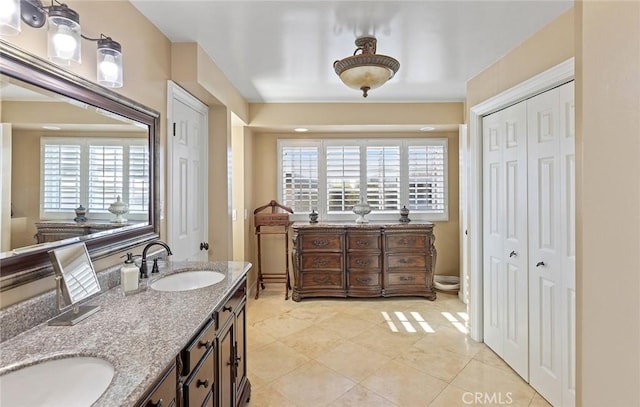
(73, 381)
(188, 280)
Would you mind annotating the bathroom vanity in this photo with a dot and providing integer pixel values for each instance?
(167, 348)
(363, 260)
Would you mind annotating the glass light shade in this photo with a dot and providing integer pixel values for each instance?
(109, 63)
(9, 17)
(366, 76)
(63, 35)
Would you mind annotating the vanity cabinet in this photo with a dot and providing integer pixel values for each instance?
(163, 393)
(370, 260)
(198, 366)
(234, 388)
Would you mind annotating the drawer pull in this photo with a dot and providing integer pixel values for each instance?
(157, 404)
(361, 262)
(407, 241)
(363, 280)
(323, 279)
(405, 261)
(202, 383)
(407, 278)
(361, 242)
(320, 243)
(237, 361)
(204, 344)
(227, 309)
(320, 262)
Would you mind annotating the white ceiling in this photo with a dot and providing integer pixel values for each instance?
(283, 51)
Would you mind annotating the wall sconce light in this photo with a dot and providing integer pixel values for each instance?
(63, 36)
(367, 70)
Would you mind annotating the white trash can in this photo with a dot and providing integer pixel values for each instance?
(449, 284)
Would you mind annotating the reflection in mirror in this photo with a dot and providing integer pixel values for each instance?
(76, 280)
(69, 149)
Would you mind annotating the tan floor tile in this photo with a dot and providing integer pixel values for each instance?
(539, 401)
(478, 377)
(281, 325)
(488, 357)
(451, 339)
(313, 341)
(353, 360)
(440, 363)
(382, 341)
(269, 397)
(256, 338)
(256, 381)
(404, 385)
(452, 396)
(360, 396)
(313, 385)
(346, 326)
(273, 361)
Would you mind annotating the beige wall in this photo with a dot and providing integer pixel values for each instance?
(265, 189)
(608, 223)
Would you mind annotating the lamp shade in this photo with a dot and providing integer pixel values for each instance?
(63, 35)
(109, 63)
(367, 70)
(9, 17)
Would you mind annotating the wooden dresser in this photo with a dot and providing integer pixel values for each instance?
(369, 260)
(53, 230)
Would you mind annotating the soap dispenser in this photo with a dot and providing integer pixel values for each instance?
(129, 275)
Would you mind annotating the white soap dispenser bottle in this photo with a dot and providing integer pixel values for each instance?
(129, 275)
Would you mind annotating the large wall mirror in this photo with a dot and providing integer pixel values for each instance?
(70, 149)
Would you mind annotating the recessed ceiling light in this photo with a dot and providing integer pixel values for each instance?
(300, 129)
(427, 128)
(51, 128)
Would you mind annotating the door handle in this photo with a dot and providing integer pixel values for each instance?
(512, 254)
(204, 246)
(540, 263)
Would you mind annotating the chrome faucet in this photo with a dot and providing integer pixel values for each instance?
(143, 265)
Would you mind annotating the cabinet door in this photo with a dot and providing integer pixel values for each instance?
(240, 351)
(226, 365)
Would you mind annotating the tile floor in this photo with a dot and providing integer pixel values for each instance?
(391, 352)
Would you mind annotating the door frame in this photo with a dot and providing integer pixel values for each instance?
(552, 77)
(175, 91)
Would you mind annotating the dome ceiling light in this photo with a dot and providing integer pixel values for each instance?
(367, 70)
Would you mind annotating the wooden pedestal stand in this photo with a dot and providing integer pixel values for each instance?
(275, 223)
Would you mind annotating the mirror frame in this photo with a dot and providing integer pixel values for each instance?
(34, 264)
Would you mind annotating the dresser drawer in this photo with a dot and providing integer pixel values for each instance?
(362, 261)
(192, 354)
(364, 280)
(396, 279)
(322, 241)
(404, 261)
(322, 280)
(322, 261)
(199, 384)
(406, 242)
(363, 241)
(165, 393)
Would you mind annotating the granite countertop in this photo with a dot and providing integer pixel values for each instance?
(139, 334)
(352, 225)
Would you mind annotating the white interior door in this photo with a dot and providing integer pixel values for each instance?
(465, 255)
(505, 236)
(187, 193)
(545, 245)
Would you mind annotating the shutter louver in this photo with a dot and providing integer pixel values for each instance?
(106, 167)
(383, 177)
(300, 178)
(138, 194)
(61, 177)
(427, 178)
(343, 177)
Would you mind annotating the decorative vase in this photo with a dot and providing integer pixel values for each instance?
(118, 208)
(313, 217)
(361, 209)
(404, 215)
(81, 213)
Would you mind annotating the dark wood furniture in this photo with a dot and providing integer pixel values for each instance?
(53, 230)
(211, 370)
(370, 260)
(273, 223)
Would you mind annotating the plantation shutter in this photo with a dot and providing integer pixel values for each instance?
(300, 177)
(427, 178)
(106, 175)
(61, 177)
(343, 177)
(138, 193)
(383, 177)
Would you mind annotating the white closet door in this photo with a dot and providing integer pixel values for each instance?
(545, 245)
(568, 216)
(505, 236)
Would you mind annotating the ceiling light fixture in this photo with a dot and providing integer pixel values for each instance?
(367, 70)
(63, 36)
(427, 128)
(300, 129)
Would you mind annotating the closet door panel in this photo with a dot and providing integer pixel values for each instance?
(545, 278)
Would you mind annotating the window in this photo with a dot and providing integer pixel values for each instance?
(331, 176)
(93, 172)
